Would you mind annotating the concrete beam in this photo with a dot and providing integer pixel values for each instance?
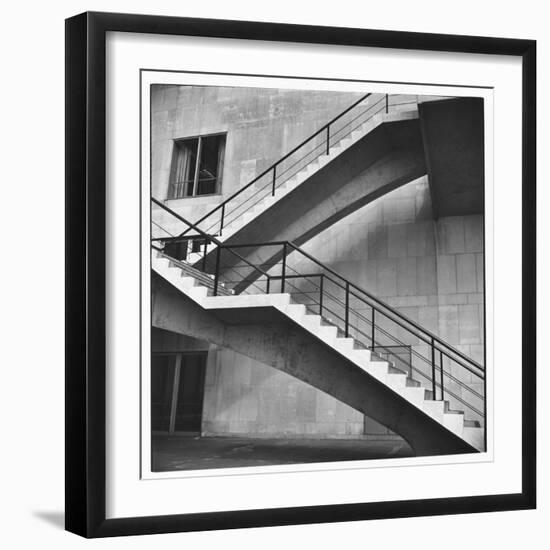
(389, 156)
(275, 340)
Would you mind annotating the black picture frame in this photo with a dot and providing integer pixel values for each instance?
(85, 273)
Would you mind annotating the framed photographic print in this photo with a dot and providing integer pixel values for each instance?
(300, 274)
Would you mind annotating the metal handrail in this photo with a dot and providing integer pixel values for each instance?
(429, 335)
(436, 344)
(273, 167)
(400, 344)
(207, 237)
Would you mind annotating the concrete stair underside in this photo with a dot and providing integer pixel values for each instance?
(243, 217)
(394, 379)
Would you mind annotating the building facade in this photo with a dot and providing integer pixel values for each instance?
(207, 143)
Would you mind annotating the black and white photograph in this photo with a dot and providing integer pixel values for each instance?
(317, 276)
(274, 275)
(301, 266)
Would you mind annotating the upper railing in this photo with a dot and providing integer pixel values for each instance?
(320, 143)
(445, 371)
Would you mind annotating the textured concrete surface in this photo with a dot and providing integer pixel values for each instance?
(430, 270)
(453, 136)
(283, 344)
(262, 125)
(389, 156)
(244, 396)
(186, 453)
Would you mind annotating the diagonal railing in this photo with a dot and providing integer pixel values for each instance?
(319, 144)
(446, 372)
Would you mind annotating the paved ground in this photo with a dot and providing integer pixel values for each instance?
(195, 453)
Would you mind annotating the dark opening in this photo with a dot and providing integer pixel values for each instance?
(177, 391)
(162, 383)
(190, 393)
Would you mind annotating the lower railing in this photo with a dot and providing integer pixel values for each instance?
(282, 267)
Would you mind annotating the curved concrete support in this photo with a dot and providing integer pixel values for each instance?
(389, 156)
(267, 335)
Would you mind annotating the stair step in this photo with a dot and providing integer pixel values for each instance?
(448, 409)
(323, 160)
(435, 409)
(396, 381)
(326, 332)
(346, 344)
(429, 395)
(379, 369)
(312, 319)
(474, 436)
(411, 383)
(454, 422)
(192, 277)
(362, 357)
(395, 370)
(471, 424)
(198, 292)
(415, 395)
(187, 282)
(297, 311)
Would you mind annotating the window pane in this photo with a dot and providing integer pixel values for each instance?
(184, 163)
(210, 169)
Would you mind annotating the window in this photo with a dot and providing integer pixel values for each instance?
(197, 166)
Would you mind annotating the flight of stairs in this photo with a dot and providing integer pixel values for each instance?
(241, 218)
(203, 280)
(198, 287)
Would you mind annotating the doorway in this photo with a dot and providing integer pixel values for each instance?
(177, 392)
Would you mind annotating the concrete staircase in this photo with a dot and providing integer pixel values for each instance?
(242, 218)
(202, 279)
(199, 289)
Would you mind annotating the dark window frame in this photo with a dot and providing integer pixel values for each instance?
(173, 193)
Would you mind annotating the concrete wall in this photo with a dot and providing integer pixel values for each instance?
(262, 125)
(431, 271)
(244, 396)
(268, 335)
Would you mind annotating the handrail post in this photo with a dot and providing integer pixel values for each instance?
(387, 104)
(268, 284)
(347, 309)
(433, 371)
(274, 177)
(372, 328)
(204, 255)
(328, 139)
(441, 372)
(283, 269)
(321, 295)
(222, 218)
(217, 272)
